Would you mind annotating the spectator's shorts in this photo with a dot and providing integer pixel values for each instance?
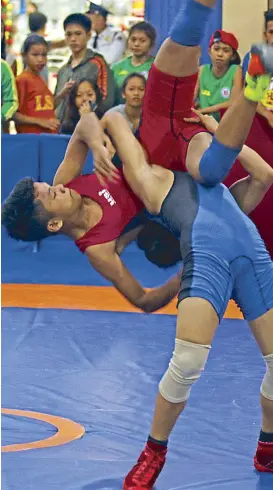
(163, 132)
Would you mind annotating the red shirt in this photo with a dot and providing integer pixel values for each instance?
(119, 206)
(35, 100)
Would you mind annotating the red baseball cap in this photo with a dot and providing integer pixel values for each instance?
(224, 37)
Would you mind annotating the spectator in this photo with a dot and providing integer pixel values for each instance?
(83, 63)
(36, 103)
(21, 26)
(133, 91)
(220, 82)
(265, 108)
(5, 54)
(37, 25)
(31, 8)
(106, 40)
(141, 40)
(9, 99)
(84, 97)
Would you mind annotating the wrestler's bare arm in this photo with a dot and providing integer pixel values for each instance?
(73, 162)
(249, 191)
(76, 154)
(130, 236)
(150, 183)
(107, 262)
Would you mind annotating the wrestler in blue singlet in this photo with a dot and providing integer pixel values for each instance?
(224, 256)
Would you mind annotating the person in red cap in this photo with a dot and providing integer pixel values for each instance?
(219, 82)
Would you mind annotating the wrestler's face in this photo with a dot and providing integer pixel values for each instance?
(134, 92)
(61, 203)
(221, 54)
(268, 35)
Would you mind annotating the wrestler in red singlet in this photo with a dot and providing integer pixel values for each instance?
(163, 132)
(119, 205)
(166, 137)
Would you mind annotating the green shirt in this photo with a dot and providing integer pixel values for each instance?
(215, 90)
(124, 67)
(9, 98)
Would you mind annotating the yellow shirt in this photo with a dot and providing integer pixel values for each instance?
(267, 101)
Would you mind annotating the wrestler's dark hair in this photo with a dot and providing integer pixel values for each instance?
(159, 245)
(129, 77)
(24, 217)
(145, 27)
(268, 17)
(78, 19)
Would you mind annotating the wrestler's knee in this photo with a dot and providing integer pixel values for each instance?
(267, 384)
(186, 365)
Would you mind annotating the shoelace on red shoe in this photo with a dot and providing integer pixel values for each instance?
(152, 462)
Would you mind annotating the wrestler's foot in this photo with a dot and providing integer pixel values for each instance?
(263, 459)
(260, 71)
(144, 474)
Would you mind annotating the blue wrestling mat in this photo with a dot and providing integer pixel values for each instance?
(101, 370)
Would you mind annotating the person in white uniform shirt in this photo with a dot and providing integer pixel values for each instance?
(106, 40)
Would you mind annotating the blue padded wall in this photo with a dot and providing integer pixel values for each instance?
(161, 14)
(52, 149)
(36, 156)
(20, 157)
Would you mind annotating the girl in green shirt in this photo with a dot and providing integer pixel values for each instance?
(141, 40)
(220, 82)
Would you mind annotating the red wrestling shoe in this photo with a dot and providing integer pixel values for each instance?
(144, 474)
(263, 459)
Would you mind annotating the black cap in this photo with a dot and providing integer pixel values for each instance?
(97, 9)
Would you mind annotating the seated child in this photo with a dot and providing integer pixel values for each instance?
(220, 82)
(133, 91)
(84, 97)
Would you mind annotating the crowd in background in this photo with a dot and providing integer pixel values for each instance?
(105, 71)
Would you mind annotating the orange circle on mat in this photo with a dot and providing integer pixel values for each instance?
(67, 430)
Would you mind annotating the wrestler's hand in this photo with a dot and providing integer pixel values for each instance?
(103, 165)
(175, 281)
(109, 145)
(208, 121)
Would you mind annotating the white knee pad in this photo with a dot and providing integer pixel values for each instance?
(267, 384)
(185, 368)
